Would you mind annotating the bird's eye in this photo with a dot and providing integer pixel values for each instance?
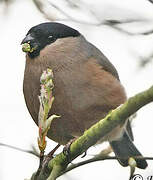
(50, 37)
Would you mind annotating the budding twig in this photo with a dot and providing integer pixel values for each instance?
(46, 99)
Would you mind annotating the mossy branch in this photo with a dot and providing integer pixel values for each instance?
(58, 165)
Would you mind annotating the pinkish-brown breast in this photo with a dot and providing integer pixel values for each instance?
(84, 92)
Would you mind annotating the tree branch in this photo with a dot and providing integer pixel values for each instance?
(58, 165)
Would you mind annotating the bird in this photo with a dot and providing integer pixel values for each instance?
(86, 87)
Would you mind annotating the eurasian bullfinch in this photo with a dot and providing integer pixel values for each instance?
(87, 86)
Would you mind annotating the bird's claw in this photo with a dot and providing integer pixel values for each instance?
(66, 149)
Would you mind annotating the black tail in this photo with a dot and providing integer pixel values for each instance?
(123, 148)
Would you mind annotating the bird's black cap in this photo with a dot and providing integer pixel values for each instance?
(57, 30)
(46, 33)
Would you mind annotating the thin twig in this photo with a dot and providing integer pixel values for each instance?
(22, 150)
(98, 158)
(148, 32)
(40, 164)
(72, 4)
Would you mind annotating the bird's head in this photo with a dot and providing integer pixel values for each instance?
(44, 34)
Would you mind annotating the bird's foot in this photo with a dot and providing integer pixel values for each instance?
(66, 149)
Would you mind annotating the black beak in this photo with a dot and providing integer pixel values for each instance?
(27, 39)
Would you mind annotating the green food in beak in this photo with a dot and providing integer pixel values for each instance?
(27, 48)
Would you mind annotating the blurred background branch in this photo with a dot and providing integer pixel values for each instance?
(33, 150)
(151, 1)
(6, 1)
